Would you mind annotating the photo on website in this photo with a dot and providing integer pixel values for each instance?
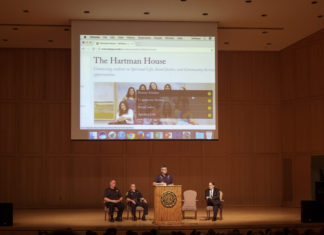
(146, 104)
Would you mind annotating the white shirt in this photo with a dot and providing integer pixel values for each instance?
(211, 192)
(130, 115)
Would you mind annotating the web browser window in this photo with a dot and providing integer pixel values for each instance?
(147, 87)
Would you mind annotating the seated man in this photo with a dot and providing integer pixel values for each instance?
(135, 199)
(212, 198)
(113, 198)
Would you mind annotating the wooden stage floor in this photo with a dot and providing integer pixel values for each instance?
(244, 218)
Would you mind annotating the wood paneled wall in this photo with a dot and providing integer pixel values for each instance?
(40, 167)
(302, 113)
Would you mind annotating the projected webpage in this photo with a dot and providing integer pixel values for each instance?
(147, 87)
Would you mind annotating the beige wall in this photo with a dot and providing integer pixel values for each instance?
(41, 167)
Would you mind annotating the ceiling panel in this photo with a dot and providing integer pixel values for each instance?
(244, 25)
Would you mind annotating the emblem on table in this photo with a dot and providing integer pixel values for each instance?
(168, 199)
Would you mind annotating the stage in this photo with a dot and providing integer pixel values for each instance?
(30, 221)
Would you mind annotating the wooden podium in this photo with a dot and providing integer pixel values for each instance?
(167, 204)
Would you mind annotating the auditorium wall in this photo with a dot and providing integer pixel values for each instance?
(40, 167)
(302, 114)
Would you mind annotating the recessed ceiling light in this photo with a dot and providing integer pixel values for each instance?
(205, 14)
(50, 40)
(264, 32)
(248, 1)
(25, 11)
(15, 28)
(183, 0)
(5, 40)
(86, 12)
(320, 16)
(314, 2)
(226, 43)
(264, 15)
(269, 43)
(66, 29)
(146, 12)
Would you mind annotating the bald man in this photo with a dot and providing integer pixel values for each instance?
(135, 199)
(113, 199)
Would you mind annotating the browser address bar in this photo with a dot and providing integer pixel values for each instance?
(157, 49)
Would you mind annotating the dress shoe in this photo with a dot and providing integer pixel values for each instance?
(112, 219)
(214, 218)
(143, 218)
(119, 219)
(135, 218)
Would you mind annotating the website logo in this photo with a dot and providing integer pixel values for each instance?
(149, 135)
(121, 135)
(102, 135)
(200, 135)
(112, 135)
(140, 135)
(177, 135)
(168, 135)
(131, 135)
(93, 135)
(158, 135)
(186, 135)
(209, 135)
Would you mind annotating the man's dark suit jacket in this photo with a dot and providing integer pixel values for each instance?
(215, 194)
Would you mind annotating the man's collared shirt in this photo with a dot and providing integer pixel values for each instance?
(134, 195)
(112, 194)
(164, 179)
(211, 193)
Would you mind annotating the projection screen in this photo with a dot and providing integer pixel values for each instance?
(144, 80)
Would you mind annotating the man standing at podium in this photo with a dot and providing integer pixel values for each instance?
(212, 198)
(163, 178)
